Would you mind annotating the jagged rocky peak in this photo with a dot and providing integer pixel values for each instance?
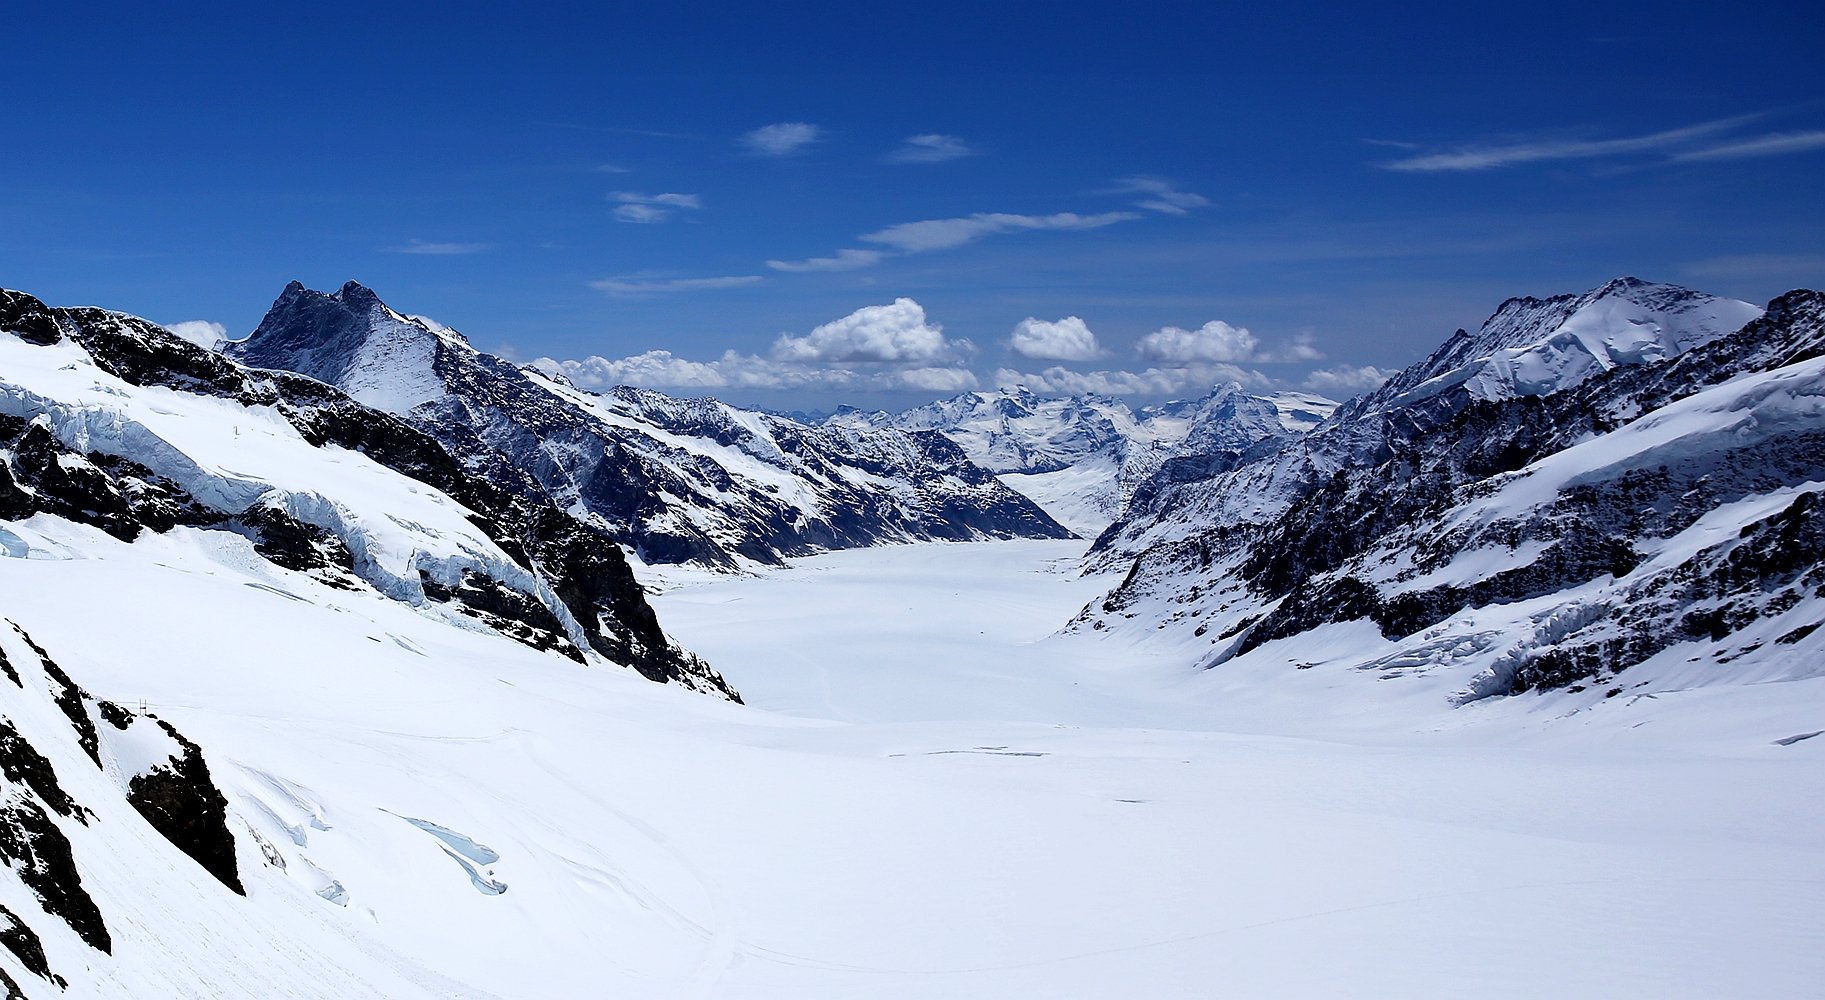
(352, 340)
(676, 480)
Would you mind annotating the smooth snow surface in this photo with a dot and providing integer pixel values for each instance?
(929, 795)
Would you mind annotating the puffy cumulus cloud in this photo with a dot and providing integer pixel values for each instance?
(651, 370)
(845, 260)
(663, 370)
(1068, 339)
(200, 332)
(1214, 341)
(892, 333)
(1344, 381)
(1217, 341)
(650, 208)
(1163, 195)
(783, 139)
(943, 234)
(626, 286)
(929, 149)
(1152, 382)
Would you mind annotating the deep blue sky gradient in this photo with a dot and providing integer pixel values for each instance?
(186, 165)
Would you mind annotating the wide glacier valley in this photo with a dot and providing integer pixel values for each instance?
(1502, 679)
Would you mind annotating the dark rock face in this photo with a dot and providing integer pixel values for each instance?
(1399, 472)
(185, 807)
(71, 700)
(40, 853)
(23, 942)
(651, 476)
(39, 475)
(507, 611)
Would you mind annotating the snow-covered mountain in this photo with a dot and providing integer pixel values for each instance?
(294, 704)
(111, 421)
(677, 480)
(1638, 516)
(1083, 457)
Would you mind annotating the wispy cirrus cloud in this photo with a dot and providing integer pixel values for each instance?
(1489, 156)
(930, 149)
(651, 208)
(437, 249)
(1773, 144)
(943, 234)
(845, 260)
(782, 139)
(1163, 195)
(637, 285)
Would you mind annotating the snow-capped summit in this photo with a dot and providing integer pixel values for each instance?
(1083, 457)
(1598, 484)
(1531, 347)
(676, 480)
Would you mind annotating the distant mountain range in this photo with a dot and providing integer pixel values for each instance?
(676, 480)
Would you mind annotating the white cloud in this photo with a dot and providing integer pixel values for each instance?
(1485, 157)
(1165, 196)
(439, 249)
(200, 332)
(1068, 339)
(929, 149)
(783, 139)
(1344, 381)
(1217, 341)
(1152, 382)
(640, 286)
(942, 234)
(1767, 266)
(650, 208)
(845, 260)
(661, 370)
(1763, 145)
(894, 333)
(652, 369)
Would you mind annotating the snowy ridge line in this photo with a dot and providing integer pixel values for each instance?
(1642, 519)
(109, 420)
(1624, 324)
(675, 480)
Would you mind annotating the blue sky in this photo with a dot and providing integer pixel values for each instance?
(1203, 188)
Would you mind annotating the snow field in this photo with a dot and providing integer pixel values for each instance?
(930, 795)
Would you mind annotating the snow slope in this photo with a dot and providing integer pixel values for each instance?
(934, 791)
(653, 844)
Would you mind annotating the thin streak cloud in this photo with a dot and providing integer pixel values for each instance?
(943, 234)
(641, 286)
(1765, 145)
(1487, 157)
(437, 249)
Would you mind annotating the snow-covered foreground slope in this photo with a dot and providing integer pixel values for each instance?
(1157, 836)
